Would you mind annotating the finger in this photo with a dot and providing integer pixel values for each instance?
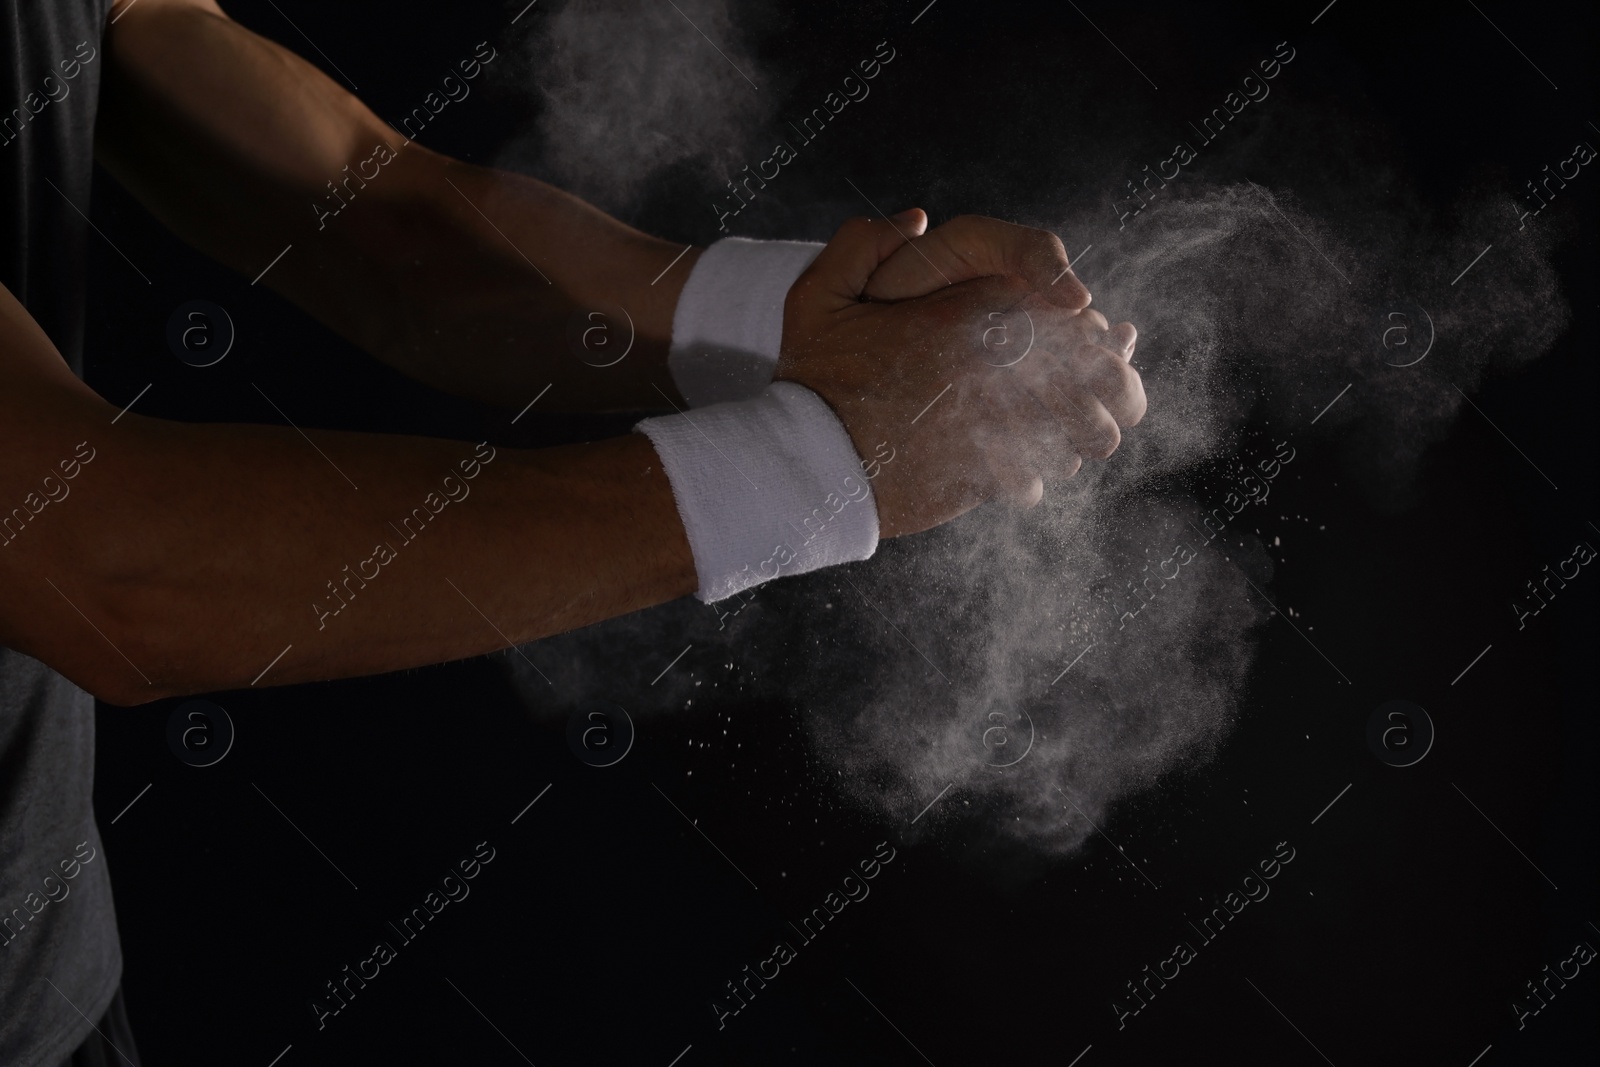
(1018, 488)
(1036, 256)
(1052, 456)
(1047, 431)
(1011, 448)
(1106, 373)
(838, 276)
(1090, 325)
(1088, 427)
(1040, 259)
(1061, 468)
(1014, 481)
(1058, 330)
(912, 222)
(1097, 320)
(1123, 337)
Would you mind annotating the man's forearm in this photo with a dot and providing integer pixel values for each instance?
(552, 293)
(189, 558)
(467, 278)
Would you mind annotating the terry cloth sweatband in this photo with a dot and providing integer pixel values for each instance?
(766, 486)
(729, 320)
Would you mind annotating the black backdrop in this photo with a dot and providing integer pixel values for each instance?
(1403, 929)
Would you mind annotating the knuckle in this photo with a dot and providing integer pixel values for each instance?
(1111, 437)
(856, 224)
(1134, 405)
(1081, 361)
(1040, 248)
(1128, 381)
(1105, 371)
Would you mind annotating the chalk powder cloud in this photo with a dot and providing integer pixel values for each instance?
(629, 90)
(1245, 333)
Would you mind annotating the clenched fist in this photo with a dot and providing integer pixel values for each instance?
(975, 414)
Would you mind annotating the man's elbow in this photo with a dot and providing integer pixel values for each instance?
(111, 682)
(126, 692)
(110, 678)
(107, 652)
(138, 661)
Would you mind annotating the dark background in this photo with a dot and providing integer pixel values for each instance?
(1401, 931)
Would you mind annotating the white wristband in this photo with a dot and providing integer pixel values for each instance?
(766, 486)
(729, 320)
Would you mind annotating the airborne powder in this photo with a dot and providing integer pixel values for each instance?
(950, 652)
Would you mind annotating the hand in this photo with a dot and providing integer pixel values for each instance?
(917, 374)
(973, 246)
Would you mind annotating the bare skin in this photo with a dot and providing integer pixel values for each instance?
(190, 558)
(461, 276)
(854, 355)
(1087, 383)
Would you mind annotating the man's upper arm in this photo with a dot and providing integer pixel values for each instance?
(200, 117)
(30, 365)
(245, 149)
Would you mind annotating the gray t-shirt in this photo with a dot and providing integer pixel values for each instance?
(60, 961)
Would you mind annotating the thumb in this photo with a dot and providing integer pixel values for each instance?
(838, 276)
